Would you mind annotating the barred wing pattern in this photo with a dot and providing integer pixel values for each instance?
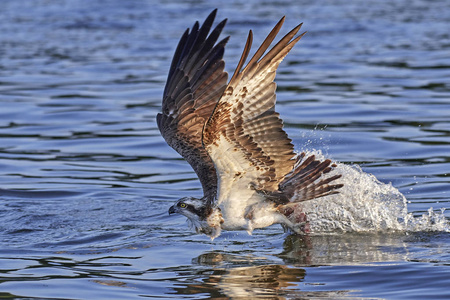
(244, 136)
(195, 83)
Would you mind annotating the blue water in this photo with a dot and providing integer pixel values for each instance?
(86, 179)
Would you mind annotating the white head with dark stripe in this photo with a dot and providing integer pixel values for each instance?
(192, 208)
(204, 218)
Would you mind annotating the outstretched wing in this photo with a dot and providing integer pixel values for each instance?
(244, 136)
(195, 83)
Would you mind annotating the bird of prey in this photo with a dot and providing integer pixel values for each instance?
(233, 138)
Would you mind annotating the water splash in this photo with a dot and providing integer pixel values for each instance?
(365, 204)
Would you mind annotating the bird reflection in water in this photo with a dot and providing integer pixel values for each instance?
(231, 279)
(222, 274)
(233, 275)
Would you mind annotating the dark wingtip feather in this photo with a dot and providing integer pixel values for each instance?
(247, 47)
(195, 83)
(303, 182)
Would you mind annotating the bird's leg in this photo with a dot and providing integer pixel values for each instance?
(296, 220)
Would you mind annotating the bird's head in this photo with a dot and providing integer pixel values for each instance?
(200, 214)
(192, 208)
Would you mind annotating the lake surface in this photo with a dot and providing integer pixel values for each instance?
(86, 180)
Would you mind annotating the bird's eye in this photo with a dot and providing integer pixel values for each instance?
(182, 205)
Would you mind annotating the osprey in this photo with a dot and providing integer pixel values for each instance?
(234, 140)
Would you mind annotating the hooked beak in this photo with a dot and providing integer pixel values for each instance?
(172, 210)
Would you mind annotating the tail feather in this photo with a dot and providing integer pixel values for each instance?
(303, 182)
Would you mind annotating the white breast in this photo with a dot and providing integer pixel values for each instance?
(242, 207)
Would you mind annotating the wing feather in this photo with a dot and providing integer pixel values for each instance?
(303, 182)
(246, 119)
(195, 82)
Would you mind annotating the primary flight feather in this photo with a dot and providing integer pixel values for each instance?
(234, 140)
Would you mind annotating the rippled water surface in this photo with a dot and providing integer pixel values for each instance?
(86, 180)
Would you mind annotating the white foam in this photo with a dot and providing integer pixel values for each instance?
(365, 204)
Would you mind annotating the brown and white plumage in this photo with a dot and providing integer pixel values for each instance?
(195, 83)
(233, 138)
